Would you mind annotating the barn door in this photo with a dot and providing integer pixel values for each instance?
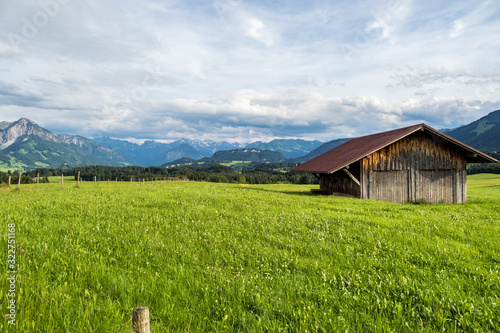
(391, 186)
(436, 186)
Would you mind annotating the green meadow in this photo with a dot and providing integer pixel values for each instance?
(210, 257)
(57, 179)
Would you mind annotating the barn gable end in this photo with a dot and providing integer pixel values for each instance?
(409, 164)
(417, 167)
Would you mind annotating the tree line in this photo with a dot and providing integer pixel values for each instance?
(261, 174)
(475, 168)
(14, 178)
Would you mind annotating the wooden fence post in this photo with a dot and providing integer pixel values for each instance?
(78, 179)
(62, 179)
(140, 320)
(10, 177)
(95, 180)
(19, 181)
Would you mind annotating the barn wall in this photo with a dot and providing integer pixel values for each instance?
(420, 166)
(340, 182)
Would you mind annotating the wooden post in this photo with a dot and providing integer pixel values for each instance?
(140, 320)
(95, 180)
(37, 179)
(10, 177)
(62, 179)
(19, 181)
(78, 179)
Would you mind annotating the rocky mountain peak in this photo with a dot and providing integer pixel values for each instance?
(24, 127)
(25, 122)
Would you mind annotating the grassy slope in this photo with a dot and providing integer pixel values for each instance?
(224, 257)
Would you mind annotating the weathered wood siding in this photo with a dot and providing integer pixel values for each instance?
(389, 185)
(340, 182)
(417, 167)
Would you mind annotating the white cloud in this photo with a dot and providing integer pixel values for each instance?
(231, 69)
(458, 28)
(8, 50)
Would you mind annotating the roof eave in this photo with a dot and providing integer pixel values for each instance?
(476, 155)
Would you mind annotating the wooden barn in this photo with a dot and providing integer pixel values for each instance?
(403, 165)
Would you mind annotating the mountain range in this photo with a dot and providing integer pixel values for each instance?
(249, 154)
(290, 148)
(482, 134)
(158, 153)
(26, 145)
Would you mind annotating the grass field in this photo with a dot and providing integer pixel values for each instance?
(209, 257)
(57, 179)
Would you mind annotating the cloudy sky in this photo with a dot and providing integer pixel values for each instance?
(241, 70)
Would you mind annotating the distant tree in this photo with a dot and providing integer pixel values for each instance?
(304, 179)
(222, 179)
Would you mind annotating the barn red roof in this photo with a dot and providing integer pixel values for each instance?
(355, 149)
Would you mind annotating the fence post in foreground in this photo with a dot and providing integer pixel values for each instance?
(140, 320)
(95, 180)
(78, 179)
(62, 179)
(19, 181)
